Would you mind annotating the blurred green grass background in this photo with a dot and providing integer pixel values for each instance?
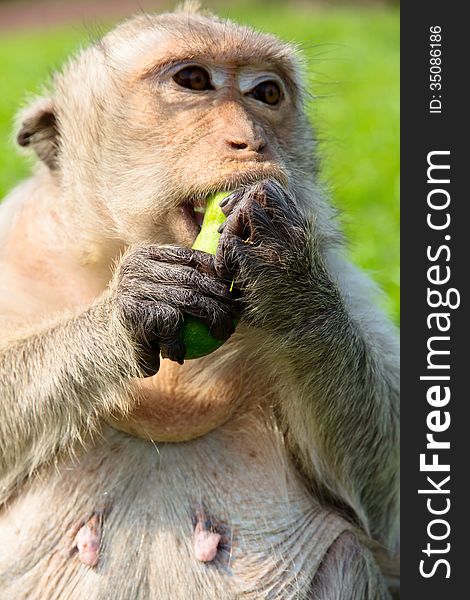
(352, 61)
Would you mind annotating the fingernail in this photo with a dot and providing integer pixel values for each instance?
(220, 228)
(227, 199)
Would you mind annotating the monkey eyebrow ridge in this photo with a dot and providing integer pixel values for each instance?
(266, 67)
(158, 66)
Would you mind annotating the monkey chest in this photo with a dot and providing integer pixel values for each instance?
(218, 517)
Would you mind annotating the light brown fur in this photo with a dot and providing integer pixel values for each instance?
(281, 451)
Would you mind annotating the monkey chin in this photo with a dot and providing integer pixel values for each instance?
(170, 409)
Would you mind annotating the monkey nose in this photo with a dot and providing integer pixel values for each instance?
(241, 145)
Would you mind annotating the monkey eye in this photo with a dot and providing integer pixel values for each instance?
(268, 92)
(193, 78)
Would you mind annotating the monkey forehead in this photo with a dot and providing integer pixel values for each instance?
(145, 44)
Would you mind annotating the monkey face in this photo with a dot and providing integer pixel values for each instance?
(222, 126)
(173, 108)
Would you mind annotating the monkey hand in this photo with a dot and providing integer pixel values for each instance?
(266, 247)
(156, 286)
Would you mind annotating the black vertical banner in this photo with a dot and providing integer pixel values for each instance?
(435, 258)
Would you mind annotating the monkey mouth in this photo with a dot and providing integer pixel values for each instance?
(192, 213)
(193, 206)
(196, 213)
(194, 210)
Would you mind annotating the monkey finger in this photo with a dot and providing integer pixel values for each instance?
(270, 193)
(273, 217)
(165, 333)
(217, 316)
(150, 358)
(223, 329)
(250, 222)
(196, 259)
(276, 203)
(151, 322)
(228, 204)
(173, 348)
(231, 252)
(165, 282)
(238, 199)
(280, 204)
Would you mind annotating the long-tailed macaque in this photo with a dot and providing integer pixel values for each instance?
(267, 469)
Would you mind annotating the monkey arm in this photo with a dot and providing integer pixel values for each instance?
(56, 385)
(340, 392)
(334, 356)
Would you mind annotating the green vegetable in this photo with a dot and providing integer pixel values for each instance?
(196, 336)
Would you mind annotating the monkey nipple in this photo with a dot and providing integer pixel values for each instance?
(88, 539)
(206, 543)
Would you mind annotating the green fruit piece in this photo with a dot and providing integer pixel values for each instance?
(208, 237)
(196, 336)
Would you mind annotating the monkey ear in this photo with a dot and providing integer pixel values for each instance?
(38, 129)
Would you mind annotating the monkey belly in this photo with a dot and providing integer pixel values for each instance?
(174, 406)
(271, 539)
